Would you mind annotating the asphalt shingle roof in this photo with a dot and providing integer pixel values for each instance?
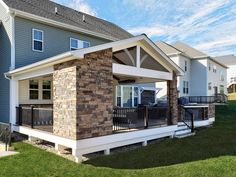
(46, 9)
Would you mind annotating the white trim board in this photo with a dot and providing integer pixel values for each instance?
(50, 137)
(140, 72)
(90, 145)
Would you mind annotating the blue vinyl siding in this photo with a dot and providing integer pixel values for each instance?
(5, 58)
(56, 41)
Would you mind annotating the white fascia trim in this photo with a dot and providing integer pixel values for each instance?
(36, 73)
(59, 24)
(81, 52)
(50, 61)
(4, 5)
(12, 41)
(140, 72)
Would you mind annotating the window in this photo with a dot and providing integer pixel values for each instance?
(46, 90)
(185, 65)
(127, 96)
(214, 68)
(209, 86)
(118, 96)
(209, 66)
(37, 40)
(222, 90)
(222, 77)
(136, 96)
(78, 44)
(185, 87)
(33, 89)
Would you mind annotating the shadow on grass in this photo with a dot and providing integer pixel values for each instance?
(215, 141)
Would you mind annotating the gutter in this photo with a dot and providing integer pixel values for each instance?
(53, 60)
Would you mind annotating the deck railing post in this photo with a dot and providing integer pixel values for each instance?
(32, 116)
(146, 117)
(192, 123)
(6, 129)
(20, 115)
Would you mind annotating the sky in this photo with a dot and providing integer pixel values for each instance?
(207, 25)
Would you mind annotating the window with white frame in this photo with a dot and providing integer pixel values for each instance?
(185, 87)
(185, 65)
(33, 89)
(209, 67)
(136, 93)
(118, 96)
(222, 89)
(222, 77)
(127, 96)
(78, 44)
(209, 86)
(214, 68)
(46, 89)
(37, 40)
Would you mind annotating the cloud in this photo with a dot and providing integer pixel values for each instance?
(80, 5)
(208, 25)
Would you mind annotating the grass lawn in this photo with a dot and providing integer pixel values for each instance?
(212, 152)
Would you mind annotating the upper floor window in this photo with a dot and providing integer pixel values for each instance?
(214, 68)
(185, 65)
(209, 66)
(78, 44)
(37, 40)
(185, 87)
(222, 77)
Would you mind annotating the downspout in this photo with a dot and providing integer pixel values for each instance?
(7, 77)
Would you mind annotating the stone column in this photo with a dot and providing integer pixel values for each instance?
(172, 100)
(83, 96)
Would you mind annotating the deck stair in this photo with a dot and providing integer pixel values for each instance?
(183, 131)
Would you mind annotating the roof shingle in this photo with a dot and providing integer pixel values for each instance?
(46, 9)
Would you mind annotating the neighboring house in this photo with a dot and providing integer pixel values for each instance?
(62, 68)
(204, 75)
(33, 30)
(230, 62)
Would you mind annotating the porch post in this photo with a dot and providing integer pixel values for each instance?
(13, 99)
(172, 100)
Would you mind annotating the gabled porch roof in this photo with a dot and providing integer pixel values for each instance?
(141, 40)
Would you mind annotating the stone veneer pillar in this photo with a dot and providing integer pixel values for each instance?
(83, 96)
(172, 94)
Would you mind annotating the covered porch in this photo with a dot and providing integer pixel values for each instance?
(71, 96)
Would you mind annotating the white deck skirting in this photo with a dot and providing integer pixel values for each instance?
(90, 145)
(103, 143)
(47, 136)
(203, 123)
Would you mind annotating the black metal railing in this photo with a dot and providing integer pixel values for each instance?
(5, 134)
(39, 118)
(218, 98)
(187, 117)
(138, 118)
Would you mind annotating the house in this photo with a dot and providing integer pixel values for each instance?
(204, 75)
(61, 68)
(34, 30)
(230, 62)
